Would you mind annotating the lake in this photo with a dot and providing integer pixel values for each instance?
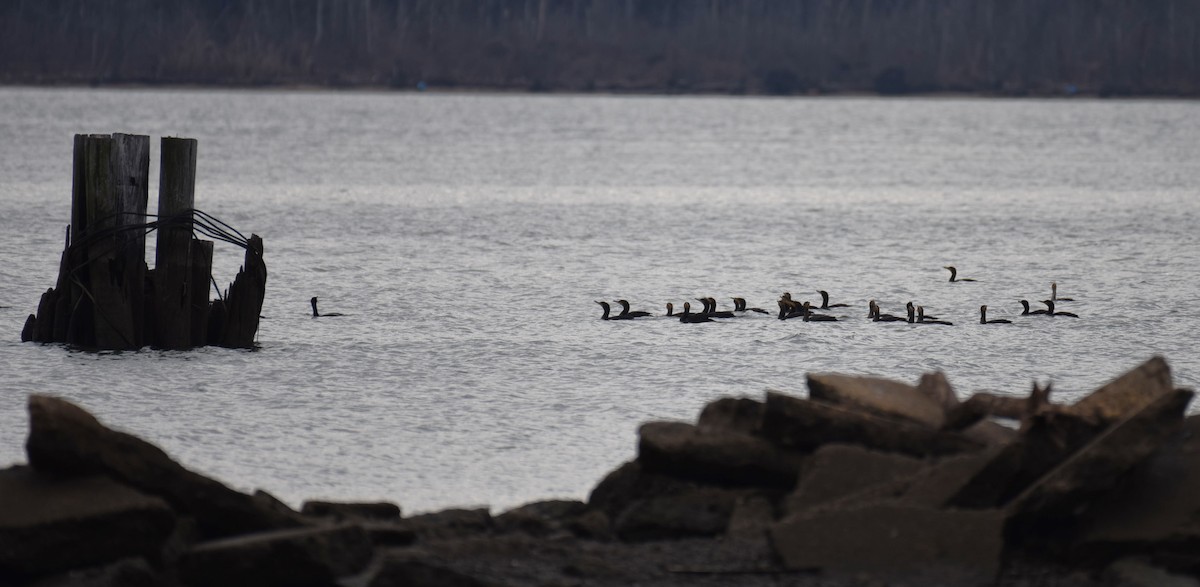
(467, 237)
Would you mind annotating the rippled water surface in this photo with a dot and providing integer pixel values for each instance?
(467, 237)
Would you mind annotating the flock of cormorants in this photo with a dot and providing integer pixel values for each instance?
(789, 308)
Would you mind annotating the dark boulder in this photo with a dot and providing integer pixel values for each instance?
(66, 440)
(931, 546)
(716, 456)
(740, 414)
(877, 396)
(702, 512)
(542, 518)
(283, 558)
(351, 510)
(50, 525)
(805, 425)
(838, 470)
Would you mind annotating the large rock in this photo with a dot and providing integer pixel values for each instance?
(283, 558)
(449, 524)
(1127, 393)
(1046, 440)
(878, 396)
(805, 425)
(740, 414)
(716, 456)
(632, 482)
(1063, 458)
(542, 518)
(702, 512)
(1158, 505)
(936, 387)
(1098, 466)
(838, 470)
(52, 525)
(66, 440)
(894, 540)
(351, 510)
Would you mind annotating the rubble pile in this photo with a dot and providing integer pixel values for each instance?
(866, 480)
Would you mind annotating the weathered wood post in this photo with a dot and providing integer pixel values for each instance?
(110, 203)
(173, 256)
(105, 297)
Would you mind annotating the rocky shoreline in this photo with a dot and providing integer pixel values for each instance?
(866, 481)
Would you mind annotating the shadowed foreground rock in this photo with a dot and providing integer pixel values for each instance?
(864, 482)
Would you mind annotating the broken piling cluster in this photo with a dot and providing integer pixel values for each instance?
(106, 297)
(865, 479)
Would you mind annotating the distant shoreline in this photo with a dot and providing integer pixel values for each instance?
(484, 90)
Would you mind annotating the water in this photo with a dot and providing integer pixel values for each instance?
(468, 236)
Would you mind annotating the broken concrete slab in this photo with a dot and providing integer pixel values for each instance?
(894, 540)
(50, 525)
(1097, 466)
(936, 386)
(875, 395)
(716, 456)
(1154, 503)
(1045, 441)
(838, 470)
(283, 558)
(805, 425)
(66, 440)
(1127, 393)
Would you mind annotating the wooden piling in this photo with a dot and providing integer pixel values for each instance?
(105, 296)
(117, 171)
(201, 280)
(244, 300)
(173, 259)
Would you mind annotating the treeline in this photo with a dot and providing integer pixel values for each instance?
(1121, 47)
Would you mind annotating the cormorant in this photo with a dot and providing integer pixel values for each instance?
(875, 314)
(1051, 312)
(606, 311)
(626, 314)
(317, 314)
(954, 274)
(710, 309)
(1026, 312)
(825, 305)
(983, 317)
(922, 319)
(739, 305)
(688, 317)
(1054, 293)
(810, 317)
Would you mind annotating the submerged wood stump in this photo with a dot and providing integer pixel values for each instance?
(105, 297)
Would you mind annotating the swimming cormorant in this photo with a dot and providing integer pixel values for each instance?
(1054, 293)
(954, 275)
(1026, 312)
(875, 314)
(317, 314)
(739, 305)
(983, 317)
(825, 305)
(810, 317)
(626, 314)
(710, 309)
(923, 319)
(688, 317)
(1051, 312)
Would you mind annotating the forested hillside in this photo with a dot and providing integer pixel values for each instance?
(1124, 47)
